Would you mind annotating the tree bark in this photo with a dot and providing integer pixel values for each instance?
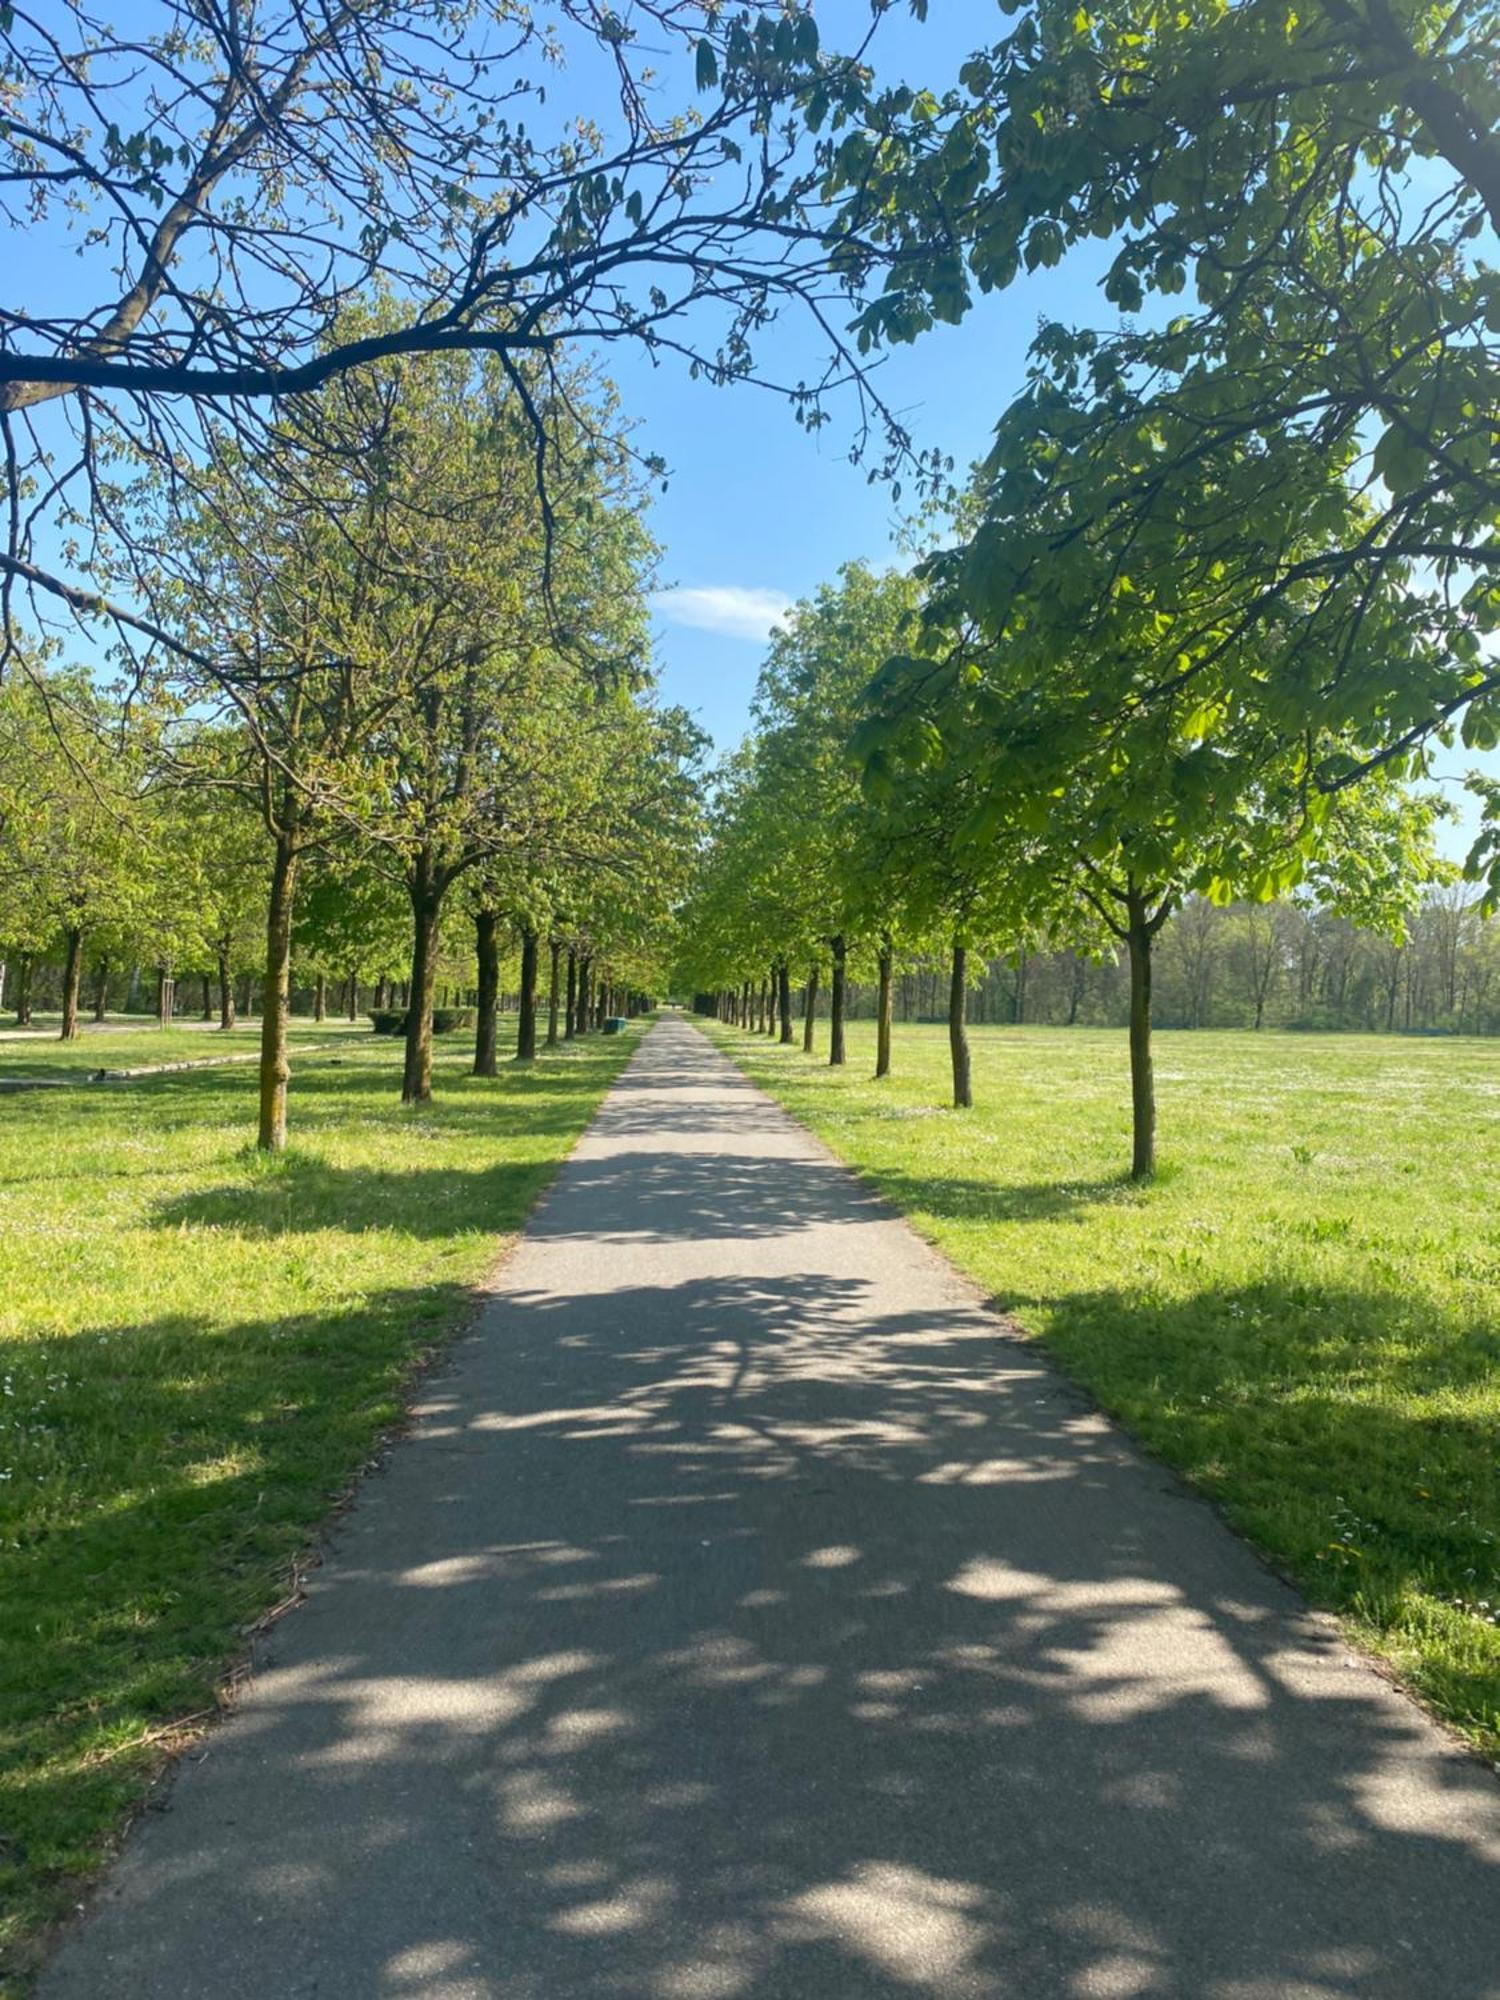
(554, 984)
(425, 889)
(320, 997)
(585, 992)
(810, 1011)
(226, 992)
(353, 1008)
(166, 994)
(958, 1032)
(883, 1010)
(487, 952)
(276, 1002)
(23, 989)
(784, 999)
(101, 989)
(837, 1000)
(72, 974)
(1142, 1081)
(208, 998)
(526, 1018)
(570, 1010)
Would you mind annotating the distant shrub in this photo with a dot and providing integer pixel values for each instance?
(445, 1020)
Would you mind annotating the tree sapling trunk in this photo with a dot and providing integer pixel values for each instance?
(72, 974)
(526, 1018)
(226, 991)
(958, 1032)
(1142, 1081)
(487, 953)
(276, 1005)
(837, 998)
(883, 1010)
(810, 1011)
(426, 892)
(554, 984)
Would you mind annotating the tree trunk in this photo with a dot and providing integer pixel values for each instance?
(166, 994)
(426, 893)
(784, 1000)
(226, 992)
(101, 989)
(72, 974)
(208, 998)
(554, 984)
(585, 984)
(487, 952)
(353, 1007)
(1142, 1083)
(570, 1008)
(810, 1013)
(836, 1004)
(23, 990)
(526, 1019)
(958, 1032)
(883, 1011)
(320, 997)
(276, 1002)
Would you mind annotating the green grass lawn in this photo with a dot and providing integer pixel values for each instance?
(116, 1046)
(1302, 1314)
(198, 1349)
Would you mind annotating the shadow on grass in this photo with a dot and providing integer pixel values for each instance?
(1352, 1433)
(304, 1194)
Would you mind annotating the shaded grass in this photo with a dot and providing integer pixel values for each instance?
(1302, 1314)
(198, 1349)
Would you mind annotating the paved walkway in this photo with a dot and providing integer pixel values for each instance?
(749, 1617)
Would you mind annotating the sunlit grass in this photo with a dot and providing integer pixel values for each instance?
(1303, 1313)
(198, 1348)
(38, 1052)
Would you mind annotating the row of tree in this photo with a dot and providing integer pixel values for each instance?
(408, 688)
(862, 830)
(1251, 965)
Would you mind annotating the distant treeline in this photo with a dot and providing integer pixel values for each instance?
(1274, 965)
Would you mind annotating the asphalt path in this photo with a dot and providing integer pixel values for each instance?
(750, 1617)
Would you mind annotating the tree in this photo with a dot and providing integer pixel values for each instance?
(1094, 771)
(74, 854)
(234, 178)
(1252, 161)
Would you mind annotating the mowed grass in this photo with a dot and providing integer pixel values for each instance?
(1302, 1314)
(198, 1349)
(39, 1053)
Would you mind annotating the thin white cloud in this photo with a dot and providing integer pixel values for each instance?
(724, 607)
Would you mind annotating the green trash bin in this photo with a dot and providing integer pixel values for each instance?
(616, 1024)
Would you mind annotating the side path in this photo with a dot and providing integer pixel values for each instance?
(749, 1617)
